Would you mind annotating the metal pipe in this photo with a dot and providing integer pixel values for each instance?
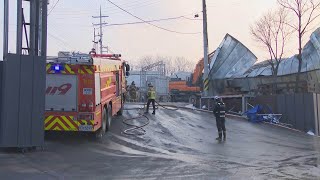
(25, 33)
(6, 29)
(33, 29)
(19, 27)
(38, 29)
(43, 25)
(244, 104)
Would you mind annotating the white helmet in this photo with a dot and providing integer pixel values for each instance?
(217, 98)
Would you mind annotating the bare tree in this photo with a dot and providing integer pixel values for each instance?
(182, 64)
(270, 31)
(145, 61)
(306, 12)
(172, 64)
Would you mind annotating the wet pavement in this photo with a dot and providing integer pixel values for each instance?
(177, 145)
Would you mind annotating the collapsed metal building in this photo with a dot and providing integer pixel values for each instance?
(234, 71)
(236, 76)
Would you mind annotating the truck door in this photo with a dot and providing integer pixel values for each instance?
(61, 92)
(118, 84)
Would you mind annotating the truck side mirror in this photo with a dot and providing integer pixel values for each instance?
(127, 67)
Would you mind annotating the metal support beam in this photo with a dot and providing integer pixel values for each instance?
(33, 27)
(43, 26)
(6, 29)
(244, 104)
(19, 27)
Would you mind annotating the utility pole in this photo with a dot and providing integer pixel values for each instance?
(206, 48)
(95, 43)
(101, 29)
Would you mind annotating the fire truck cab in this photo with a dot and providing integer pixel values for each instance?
(84, 91)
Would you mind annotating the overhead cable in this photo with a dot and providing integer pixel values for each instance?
(53, 7)
(159, 27)
(144, 22)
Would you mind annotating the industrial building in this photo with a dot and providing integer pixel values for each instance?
(234, 71)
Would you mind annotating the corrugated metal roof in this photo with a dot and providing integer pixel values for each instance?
(232, 59)
(310, 61)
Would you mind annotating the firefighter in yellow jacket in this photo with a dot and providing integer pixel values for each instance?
(151, 98)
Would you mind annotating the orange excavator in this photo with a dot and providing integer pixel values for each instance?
(187, 90)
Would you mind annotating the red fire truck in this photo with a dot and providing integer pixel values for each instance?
(83, 92)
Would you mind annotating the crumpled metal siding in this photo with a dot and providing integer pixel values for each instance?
(231, 60)
(240, 66)
(310, 60)
(232, 69)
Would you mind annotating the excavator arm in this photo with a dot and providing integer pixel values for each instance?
(197, 73)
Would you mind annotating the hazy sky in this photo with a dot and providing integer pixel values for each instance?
(70, 26)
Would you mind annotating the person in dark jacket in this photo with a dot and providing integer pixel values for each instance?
(220, 114)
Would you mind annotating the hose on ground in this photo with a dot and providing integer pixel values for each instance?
(172, 107)
(138, 130)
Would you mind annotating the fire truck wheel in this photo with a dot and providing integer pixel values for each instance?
(102, 131)
(120, 112)
(109, 118)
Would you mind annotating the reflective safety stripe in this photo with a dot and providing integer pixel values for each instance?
(152, 94)
(65, 123)
(206, 84)
(86, 69)
(108, 68)
(71, 69)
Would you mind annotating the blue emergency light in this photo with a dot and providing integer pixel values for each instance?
(57, 68)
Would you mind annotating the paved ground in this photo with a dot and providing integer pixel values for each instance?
(178, 145)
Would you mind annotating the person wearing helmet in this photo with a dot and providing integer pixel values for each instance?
(93, 52)
(151, 98)
(133, 91)
(220, 114)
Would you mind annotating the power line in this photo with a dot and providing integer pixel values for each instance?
(129, 6)
(53, 7)
(60, 41)
(156, 20)
(159, 27)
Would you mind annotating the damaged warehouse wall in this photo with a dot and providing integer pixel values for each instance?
(263, 85)
(231, 60)
(234, 71)
(300, 111)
